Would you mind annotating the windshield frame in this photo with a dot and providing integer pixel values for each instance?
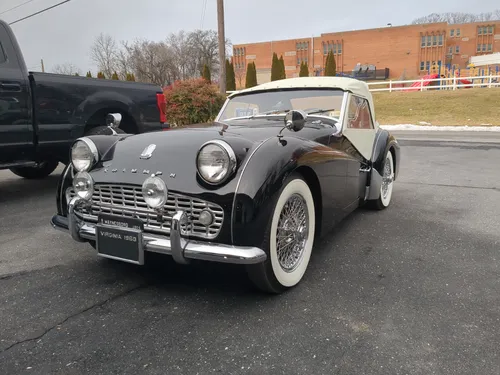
(234, 96)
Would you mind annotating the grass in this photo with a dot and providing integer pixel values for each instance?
(473, 107)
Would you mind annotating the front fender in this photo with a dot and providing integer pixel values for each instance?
(267, 167)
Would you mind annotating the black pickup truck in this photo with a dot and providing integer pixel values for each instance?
(41, 113)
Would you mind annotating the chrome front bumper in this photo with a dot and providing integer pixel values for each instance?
(182, 250)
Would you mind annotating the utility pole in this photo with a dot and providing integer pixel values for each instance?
(43, 66)
(222, 46)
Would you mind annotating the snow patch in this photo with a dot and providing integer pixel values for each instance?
(442, 128)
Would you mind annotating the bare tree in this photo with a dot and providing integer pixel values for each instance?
(104, 53)
(458, 17)
(67, 69)
(152, 62)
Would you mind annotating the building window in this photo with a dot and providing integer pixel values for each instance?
(490, 29)
(429, 40)
(480, 31)
(422, 41)
(490, 47)
(439, 63)
(478, 48)
(339, 48)
(458, 32)
(484, 48)
(450, 50)
(440, 40)
(427, 65)
(298, 61)
(324, 49)
(457, 49)
(434, 40)
(452, 32)
(422, 65)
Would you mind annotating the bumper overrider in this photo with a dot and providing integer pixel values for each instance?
(115, 242)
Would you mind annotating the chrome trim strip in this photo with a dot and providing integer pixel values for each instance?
(233, 209)
(62, 194)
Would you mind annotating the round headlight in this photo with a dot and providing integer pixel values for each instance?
(84, 154)
(154, 192)
(216, 161)
(83, 185)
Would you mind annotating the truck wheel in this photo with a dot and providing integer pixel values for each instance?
(103, 130)
(43, 169)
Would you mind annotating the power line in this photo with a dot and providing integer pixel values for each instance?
(203, 11)
(40, 11)
(17, 6)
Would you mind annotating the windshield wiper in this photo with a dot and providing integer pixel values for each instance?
(271, 112)
(320, 111)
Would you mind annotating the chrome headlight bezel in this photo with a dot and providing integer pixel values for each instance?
(231, 162)
(91, 151)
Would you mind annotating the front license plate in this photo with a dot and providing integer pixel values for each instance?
(120, 238)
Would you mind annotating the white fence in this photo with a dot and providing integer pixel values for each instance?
(453, 83)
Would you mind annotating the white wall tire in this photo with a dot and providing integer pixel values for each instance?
(387, 186)
(289, 239)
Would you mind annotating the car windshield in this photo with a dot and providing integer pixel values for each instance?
(324, 102)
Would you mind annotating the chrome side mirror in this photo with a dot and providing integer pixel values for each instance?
(113, 120)
(295, 120)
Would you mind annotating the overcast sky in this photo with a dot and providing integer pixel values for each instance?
(66, 33)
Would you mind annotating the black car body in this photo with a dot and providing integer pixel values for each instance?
(274, 144)
(41, 114)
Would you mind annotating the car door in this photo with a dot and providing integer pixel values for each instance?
(360, 132)
(16, 135)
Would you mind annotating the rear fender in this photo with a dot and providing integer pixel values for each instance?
(384, 141)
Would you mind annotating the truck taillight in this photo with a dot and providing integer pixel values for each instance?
(160, 100)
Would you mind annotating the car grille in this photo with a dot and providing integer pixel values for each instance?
(123, 200)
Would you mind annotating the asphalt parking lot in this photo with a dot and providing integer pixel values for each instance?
(414, 289)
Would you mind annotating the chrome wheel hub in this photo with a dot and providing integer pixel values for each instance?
(292, 233)
(387, 179)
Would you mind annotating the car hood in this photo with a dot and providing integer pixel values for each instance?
(174, 155)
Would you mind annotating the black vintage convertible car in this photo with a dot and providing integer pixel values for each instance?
(282, 163)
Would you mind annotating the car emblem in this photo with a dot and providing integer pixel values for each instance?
(148, 151)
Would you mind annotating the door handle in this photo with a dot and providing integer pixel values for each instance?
(10, 87)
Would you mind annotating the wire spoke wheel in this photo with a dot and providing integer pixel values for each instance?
(292, 233)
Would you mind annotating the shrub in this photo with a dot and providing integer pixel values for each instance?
(89, 74)
(330, 65)
(275, 68)
(251, 78)
(206, 73)
(101, 75)
(193, 101)
(230, 76)
(130, 77)
(304, 70)
(282, 72)
(115, 76)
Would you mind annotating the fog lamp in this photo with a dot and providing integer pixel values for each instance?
(206, 218)
(154, 192)
(83, 185)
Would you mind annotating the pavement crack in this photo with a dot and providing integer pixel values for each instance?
(95, 305)
(450, 185)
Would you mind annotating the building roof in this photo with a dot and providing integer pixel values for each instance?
(355, 86)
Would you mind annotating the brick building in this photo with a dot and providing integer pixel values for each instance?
(407, 51)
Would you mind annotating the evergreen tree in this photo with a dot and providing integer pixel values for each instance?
(330, 65)
(282, 72)
(101, 75)
(89, 74)
(130, 77)
(115, 76)
(206, 73)
(77, 75)
(230, 76)
(304, 69)
(275, 68)
(251, 78)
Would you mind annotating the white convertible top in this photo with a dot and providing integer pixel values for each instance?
(355, 86)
